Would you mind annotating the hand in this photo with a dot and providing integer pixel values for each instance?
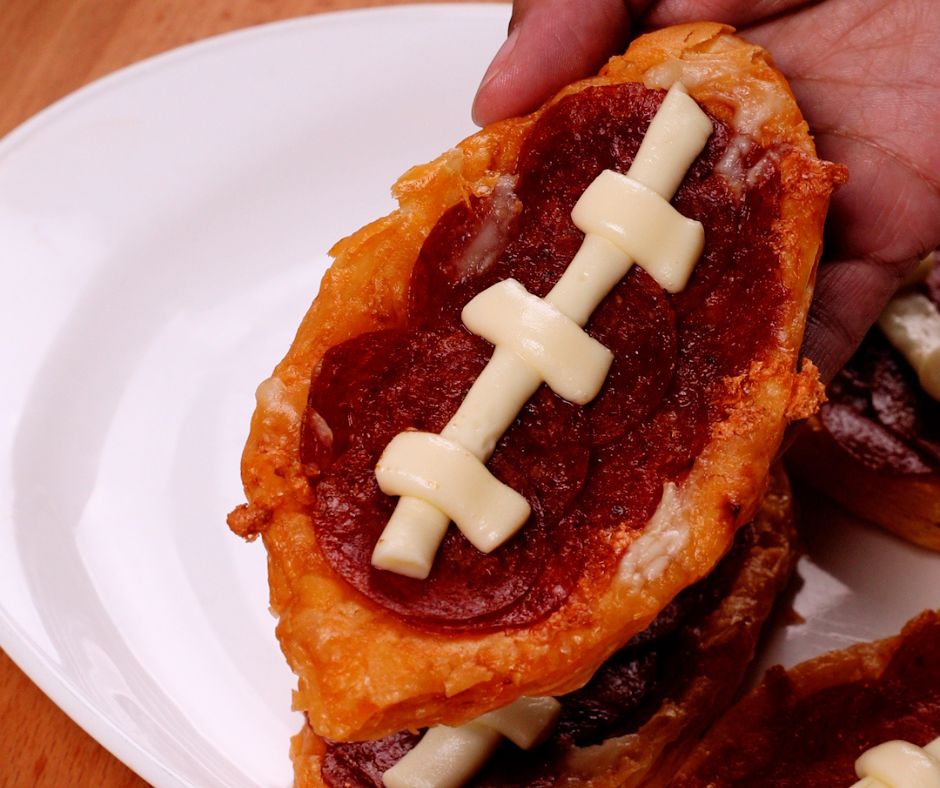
(863, 72)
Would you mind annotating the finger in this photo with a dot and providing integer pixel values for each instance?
(873, 116)
(732, 12)
(849, 296)
(550, 43)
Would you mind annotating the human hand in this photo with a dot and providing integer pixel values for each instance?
(863, 73)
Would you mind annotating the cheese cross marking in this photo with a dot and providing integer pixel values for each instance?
(676, 136)
(899, 764)
(413, 460)
(572, 363)
(447, 757)
(644, 225)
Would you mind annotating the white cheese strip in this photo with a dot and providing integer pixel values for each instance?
(644, 225)
(410, 540)
(572, 363)
(444, 758)
(594, 271)
(899, 764)
(448, 757)
(911, 322)
(492, 404)
(444, 474)
(407, 544)
(675, 137)
(525, 722)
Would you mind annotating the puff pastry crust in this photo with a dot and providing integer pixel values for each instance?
(363, 672)
(750, 745)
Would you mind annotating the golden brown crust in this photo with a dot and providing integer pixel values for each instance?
(754, 712)
(356, 685)
(727, 639)
(907, 505)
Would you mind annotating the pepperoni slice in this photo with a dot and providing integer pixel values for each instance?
(869, 442)
(637, 324)
(362, 763)
(463, 585)
(879, 414)
(725, 312)
(373, 386)
(894, 399)
(458, 257)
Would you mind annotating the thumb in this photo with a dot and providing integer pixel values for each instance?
(550, 43)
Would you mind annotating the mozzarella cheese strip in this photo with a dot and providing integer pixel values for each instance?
(527, 354)
(446, 475)
(572, 363)
(414, 532)
(448, 757)
(644, 225)
(525, 722)
(444, 758)
(493, 402)
(656, 548)
(899, 764)
(911, 322)
(675, 137)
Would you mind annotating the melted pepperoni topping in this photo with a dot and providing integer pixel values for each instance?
(587, 472)
(877, 411)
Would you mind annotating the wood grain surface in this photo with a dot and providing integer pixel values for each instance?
(48, 48)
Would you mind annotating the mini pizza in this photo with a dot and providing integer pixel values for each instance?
(536, 401)
(875, 445)
(633, 722)
(811, 725)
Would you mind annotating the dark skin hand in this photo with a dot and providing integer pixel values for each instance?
(864, 74)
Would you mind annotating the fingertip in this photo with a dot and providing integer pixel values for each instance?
(491, 93)
(550, 45)
(848, 297)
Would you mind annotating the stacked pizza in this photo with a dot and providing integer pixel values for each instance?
(514, 475)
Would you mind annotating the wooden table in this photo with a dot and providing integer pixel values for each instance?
(48, 48)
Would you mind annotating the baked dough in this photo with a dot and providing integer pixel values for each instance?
(774, 729)
(713, 649)
(364, 672)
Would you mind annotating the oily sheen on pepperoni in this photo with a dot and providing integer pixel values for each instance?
(585, 471)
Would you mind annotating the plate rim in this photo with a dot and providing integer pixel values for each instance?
(26, 655)
(113, 79)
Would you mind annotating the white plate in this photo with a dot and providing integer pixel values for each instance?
(161, 234)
